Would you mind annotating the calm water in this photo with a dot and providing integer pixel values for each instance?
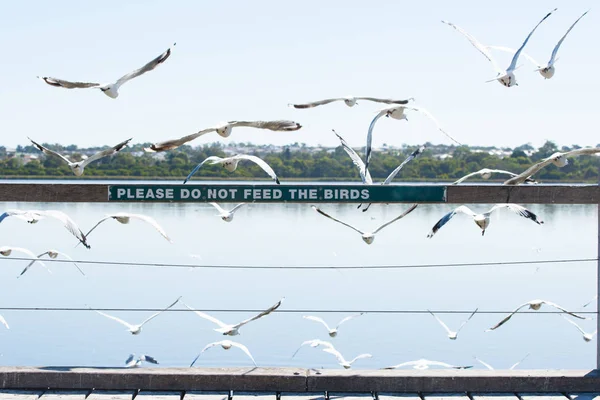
(295, 235)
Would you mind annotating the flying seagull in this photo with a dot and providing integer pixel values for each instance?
(225, 215)
(586, 336)
(78, 166)
(7, 250)
(224, 129)
(452, 335)
(486, 173)
(33, 216)
(137, 329)
(233, 330)
(533, 305)
(559, 159)
(332, 331)
(368, 237)
(231, 163)
(313, 343)
(109, 89)
(425, 364)
(350, 101)
(488, 366)
(341, 360)
(548, 70)
(225, 344)
(124, 218)
(53, 254)
(133, 362)
(399, 113)
(3, 322)
(483, 220)
(505, 77)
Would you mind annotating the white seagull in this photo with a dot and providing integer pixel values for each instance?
(548, 70)
(78, 166)
(488, 366)
(53, 254)
(224, 130)
(341, 360)
(109, 89)
(225, 344)
(483, 220)
(332, 331)
(7, 250)
(124, 218)
(452, 335)
(137, 329)
(533, 305)
(486, 173)
(225, 215)
(313, 343)
(425, 364)
(33, 216)
(559, 159)
(350, 101)
(3, 322)
(233, 330)
(134, 362)
(231, 163)
(505, 77)
(586, 336)
(398, 112)
(368, 237)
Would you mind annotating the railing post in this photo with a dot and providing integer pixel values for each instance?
(598, 288)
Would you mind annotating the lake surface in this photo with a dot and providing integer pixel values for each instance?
(290, 235)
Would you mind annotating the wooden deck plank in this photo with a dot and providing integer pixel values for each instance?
(20, 394)
(494, 396)
(449, 396)
(584, 396)
(542, 396)
(350, 396)
(302, 396)
(199, 395)
(253, 396)
(64, 395)
(158, 395)
(398, 396)
(111, 395)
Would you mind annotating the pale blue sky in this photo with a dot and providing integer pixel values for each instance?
(248, 60)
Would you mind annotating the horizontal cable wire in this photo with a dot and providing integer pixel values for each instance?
(306, 311)
(307, 267)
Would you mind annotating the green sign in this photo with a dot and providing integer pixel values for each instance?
(278, 193)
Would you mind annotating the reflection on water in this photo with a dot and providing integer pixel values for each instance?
(295, 235)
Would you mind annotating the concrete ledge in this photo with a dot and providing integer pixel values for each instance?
(296, 380)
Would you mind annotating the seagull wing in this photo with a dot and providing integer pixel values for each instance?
(68, 223)
(175, 143)
(105, 153)
(574, 323)
(370, 134)
(518, 362)
(336, 220)
(413, 155)
(513, 63)
(211, 158)
(386, 101)
(67, 84)
(522, 177)
(590, 302)
(119, 320)
(513, 51)
(404, 364)
(218, 207)
(98, 223)
(348, 318)
(3, 322)
(366, 355)
(160, 312)
(208, 317)
(509, 316)
(33, 261)
(464, 178)
(70, 259)
(152, 222)
(148, 359)
(316, 103)
(365, 176)
(148, 67)
(404, 214)
(482, 49)
(488, 366)
(553, 57)
(278, 125)
(441, 322)
(261, 314)
(564, 310)
(261, 163)
(585, 151)
(462, 209)
(520, 210)
(428, 115)
(337, 354)
(244, 349)
(130, 361)
(317, 319)
(234, 209)
(468, 319)
(46, 150)
(208, 346)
